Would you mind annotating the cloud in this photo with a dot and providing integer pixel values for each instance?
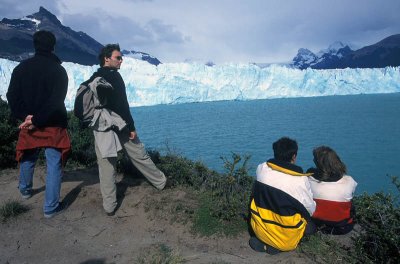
(165, 33)
(10, 9)
(223, 30)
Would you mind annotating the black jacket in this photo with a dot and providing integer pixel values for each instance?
(38, 87)
(114, 99)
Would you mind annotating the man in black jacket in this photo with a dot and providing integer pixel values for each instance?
(115, 99)
(36, 96)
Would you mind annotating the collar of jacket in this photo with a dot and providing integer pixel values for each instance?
(108, 69)
(318, 175)
(286, 167)
(49, 55)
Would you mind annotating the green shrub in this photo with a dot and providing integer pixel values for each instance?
(222, 198)
(82, 143)
(12, 209)
(231, 190)
(379, 217)
(224, 202)
(9, 136)
(182, 171)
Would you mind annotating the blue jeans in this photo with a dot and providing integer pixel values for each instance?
(53, 177)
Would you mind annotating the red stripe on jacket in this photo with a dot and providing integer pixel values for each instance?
(332, 210)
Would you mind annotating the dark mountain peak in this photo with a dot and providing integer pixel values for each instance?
(393, 40)
(16, 39)
(379, 55)
(72, 46)
(44, 15)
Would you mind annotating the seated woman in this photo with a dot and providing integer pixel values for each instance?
(333, 193)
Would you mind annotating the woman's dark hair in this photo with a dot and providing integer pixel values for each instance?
(106, 52)
(44, 41)
(329, 165)
(284, 149)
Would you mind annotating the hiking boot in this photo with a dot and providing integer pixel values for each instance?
(59, 209)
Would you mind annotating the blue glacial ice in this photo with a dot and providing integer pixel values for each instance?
(173, 83)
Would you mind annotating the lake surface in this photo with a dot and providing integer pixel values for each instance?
(363, 129)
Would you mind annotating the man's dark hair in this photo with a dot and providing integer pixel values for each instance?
(284, 149)
(106, 52)
(44, 40)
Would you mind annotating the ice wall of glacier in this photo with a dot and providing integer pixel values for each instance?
(172, 83)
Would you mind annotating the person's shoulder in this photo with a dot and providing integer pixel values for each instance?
(24, 64)
(56, 68)
(348, 179)
(262, 166)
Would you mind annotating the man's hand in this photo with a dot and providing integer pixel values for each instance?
(132, 135)
(27, 124)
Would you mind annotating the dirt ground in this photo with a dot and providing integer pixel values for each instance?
(83, 233)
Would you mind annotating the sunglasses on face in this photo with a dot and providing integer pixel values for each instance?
(118, 58)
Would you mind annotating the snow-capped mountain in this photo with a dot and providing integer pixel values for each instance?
(324, 59)
(304, 59)
(141, 56)
(173, 83)
(72, 46)
(339, 56)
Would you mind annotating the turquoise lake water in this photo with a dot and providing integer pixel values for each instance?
(363, 129)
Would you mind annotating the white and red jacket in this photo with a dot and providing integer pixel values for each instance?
(334, 200)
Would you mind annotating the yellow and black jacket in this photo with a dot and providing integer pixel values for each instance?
(277, 217)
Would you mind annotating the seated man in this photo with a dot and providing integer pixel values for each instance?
(282, 201)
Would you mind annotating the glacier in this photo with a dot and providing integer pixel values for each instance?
(173, 83)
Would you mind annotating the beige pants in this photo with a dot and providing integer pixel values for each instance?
(141, 160)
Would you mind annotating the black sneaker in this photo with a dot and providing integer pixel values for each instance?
(60, 208)
(271, 250)
(256, 244)
(259, 246)
(26, 194)
(110, 213)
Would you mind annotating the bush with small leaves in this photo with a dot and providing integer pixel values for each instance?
(82, 143)
(12, 209)
(379, 217)
(9, 136)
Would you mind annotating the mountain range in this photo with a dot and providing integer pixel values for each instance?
(339, 56)
(78, 47)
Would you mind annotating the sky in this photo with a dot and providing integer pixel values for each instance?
(222, 31)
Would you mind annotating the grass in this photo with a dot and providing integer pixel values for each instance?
(12, 209)
(160, 254)
(204, 223)
(322, 248)
(207, 224)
